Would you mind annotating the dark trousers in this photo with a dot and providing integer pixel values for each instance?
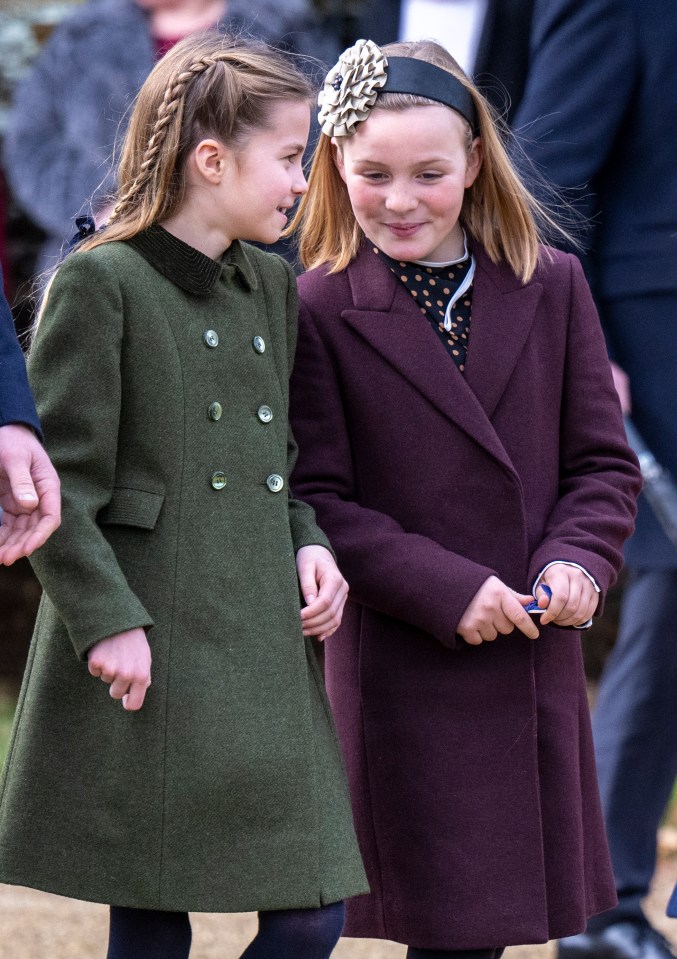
(635, 732)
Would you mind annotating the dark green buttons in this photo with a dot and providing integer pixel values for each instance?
(214, 412)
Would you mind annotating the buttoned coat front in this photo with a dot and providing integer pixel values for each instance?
(471, 767)
(225, 792)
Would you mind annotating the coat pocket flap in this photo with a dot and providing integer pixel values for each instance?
(132, 507)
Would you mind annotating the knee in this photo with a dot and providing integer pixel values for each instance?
(306, 932)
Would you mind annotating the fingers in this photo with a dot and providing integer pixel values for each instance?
(495, 609)
(323, 616)
(123, 662)
(574, 597)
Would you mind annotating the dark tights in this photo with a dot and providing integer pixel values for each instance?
(284, 934)
(414, 953)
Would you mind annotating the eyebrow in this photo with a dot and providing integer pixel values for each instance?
(429, 161)
(294, 147)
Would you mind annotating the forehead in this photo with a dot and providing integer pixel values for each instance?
(288, 120)
(416, 131)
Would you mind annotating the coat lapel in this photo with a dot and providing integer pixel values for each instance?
(386, 317)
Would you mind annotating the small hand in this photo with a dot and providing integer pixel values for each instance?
(574, 597)
(29, 493)
(123, 661)
(324, 590)
(494, 609)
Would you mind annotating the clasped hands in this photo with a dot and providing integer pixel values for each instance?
(124, 660)
(496, 609)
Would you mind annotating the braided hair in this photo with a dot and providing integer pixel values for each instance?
(206, 86)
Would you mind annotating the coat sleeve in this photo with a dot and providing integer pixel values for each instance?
(576, 96)
(74, 368)
(404, 575)
(304, 528)
(16, 402)
(599, 473)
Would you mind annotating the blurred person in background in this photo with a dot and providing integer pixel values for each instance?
(598, 114)
(489, 39)
(72, 105)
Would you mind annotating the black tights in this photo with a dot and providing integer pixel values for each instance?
(283, 934)
(414, 953)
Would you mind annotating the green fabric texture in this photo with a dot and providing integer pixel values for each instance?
(226, 791)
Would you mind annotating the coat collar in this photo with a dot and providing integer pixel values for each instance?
(187, 267)
(502, 314)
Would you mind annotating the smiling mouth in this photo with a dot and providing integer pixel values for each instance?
(403, 227)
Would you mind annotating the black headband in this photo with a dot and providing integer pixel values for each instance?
(423, 79)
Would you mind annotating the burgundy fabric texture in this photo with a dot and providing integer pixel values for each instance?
(471, 768)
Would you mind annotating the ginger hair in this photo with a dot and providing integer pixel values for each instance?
(498, 209)
(205, 86)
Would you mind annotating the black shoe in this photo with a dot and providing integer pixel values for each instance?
(621, 940)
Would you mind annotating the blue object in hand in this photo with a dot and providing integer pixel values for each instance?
(533, 606)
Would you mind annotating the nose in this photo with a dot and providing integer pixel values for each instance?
(300, 184)
(400, 199)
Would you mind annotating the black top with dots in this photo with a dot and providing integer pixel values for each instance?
(433, 287)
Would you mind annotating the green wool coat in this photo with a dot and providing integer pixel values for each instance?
(161, 379)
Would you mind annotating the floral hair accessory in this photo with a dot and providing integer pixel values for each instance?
(351, 88)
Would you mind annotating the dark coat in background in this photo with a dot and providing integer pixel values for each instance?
(226, 791)
(71, 108)
(471, 768)
(500, 68)
(602, 125)
(16, 402)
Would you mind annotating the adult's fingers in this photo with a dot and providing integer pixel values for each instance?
(21, 484)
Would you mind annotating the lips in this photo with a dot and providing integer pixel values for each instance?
(404, 229)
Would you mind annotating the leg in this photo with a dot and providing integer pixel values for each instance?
(635, 732)
(297, 933)
(148, 934)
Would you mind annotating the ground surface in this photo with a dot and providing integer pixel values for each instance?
(36, 925)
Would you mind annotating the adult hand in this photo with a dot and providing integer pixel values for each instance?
(324, 590)
(123, 661)
(29, 493)
(622, 384)
(574, 597)
(494, 609)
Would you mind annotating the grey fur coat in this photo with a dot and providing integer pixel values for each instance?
(72, 106)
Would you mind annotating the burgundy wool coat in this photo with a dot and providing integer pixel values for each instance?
(471, 767)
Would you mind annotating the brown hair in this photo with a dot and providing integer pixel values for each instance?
(205, 86)
(498, 210)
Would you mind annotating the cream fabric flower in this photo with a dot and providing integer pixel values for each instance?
(351, 88)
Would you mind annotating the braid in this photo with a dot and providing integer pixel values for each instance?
(168, 111)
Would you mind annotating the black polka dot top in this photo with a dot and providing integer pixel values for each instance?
(436, 288)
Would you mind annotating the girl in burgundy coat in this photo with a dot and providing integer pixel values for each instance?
(462, 445)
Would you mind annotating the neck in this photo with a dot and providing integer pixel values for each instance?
(212, 242)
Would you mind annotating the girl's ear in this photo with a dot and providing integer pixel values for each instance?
(337, 156)
(474, 162)
(211, 159)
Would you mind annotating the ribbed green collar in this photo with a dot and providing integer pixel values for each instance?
(190, 269)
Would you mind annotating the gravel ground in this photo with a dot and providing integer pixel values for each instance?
(36, 925)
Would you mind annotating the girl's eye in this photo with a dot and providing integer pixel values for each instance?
(375, 176)
(430, 176)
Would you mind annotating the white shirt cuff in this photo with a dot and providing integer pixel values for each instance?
(564, 562)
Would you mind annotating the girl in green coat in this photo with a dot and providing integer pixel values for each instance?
(161, 368)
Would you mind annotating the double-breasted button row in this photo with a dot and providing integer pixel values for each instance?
(274, 482)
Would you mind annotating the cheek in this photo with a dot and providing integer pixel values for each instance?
(362, 197)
